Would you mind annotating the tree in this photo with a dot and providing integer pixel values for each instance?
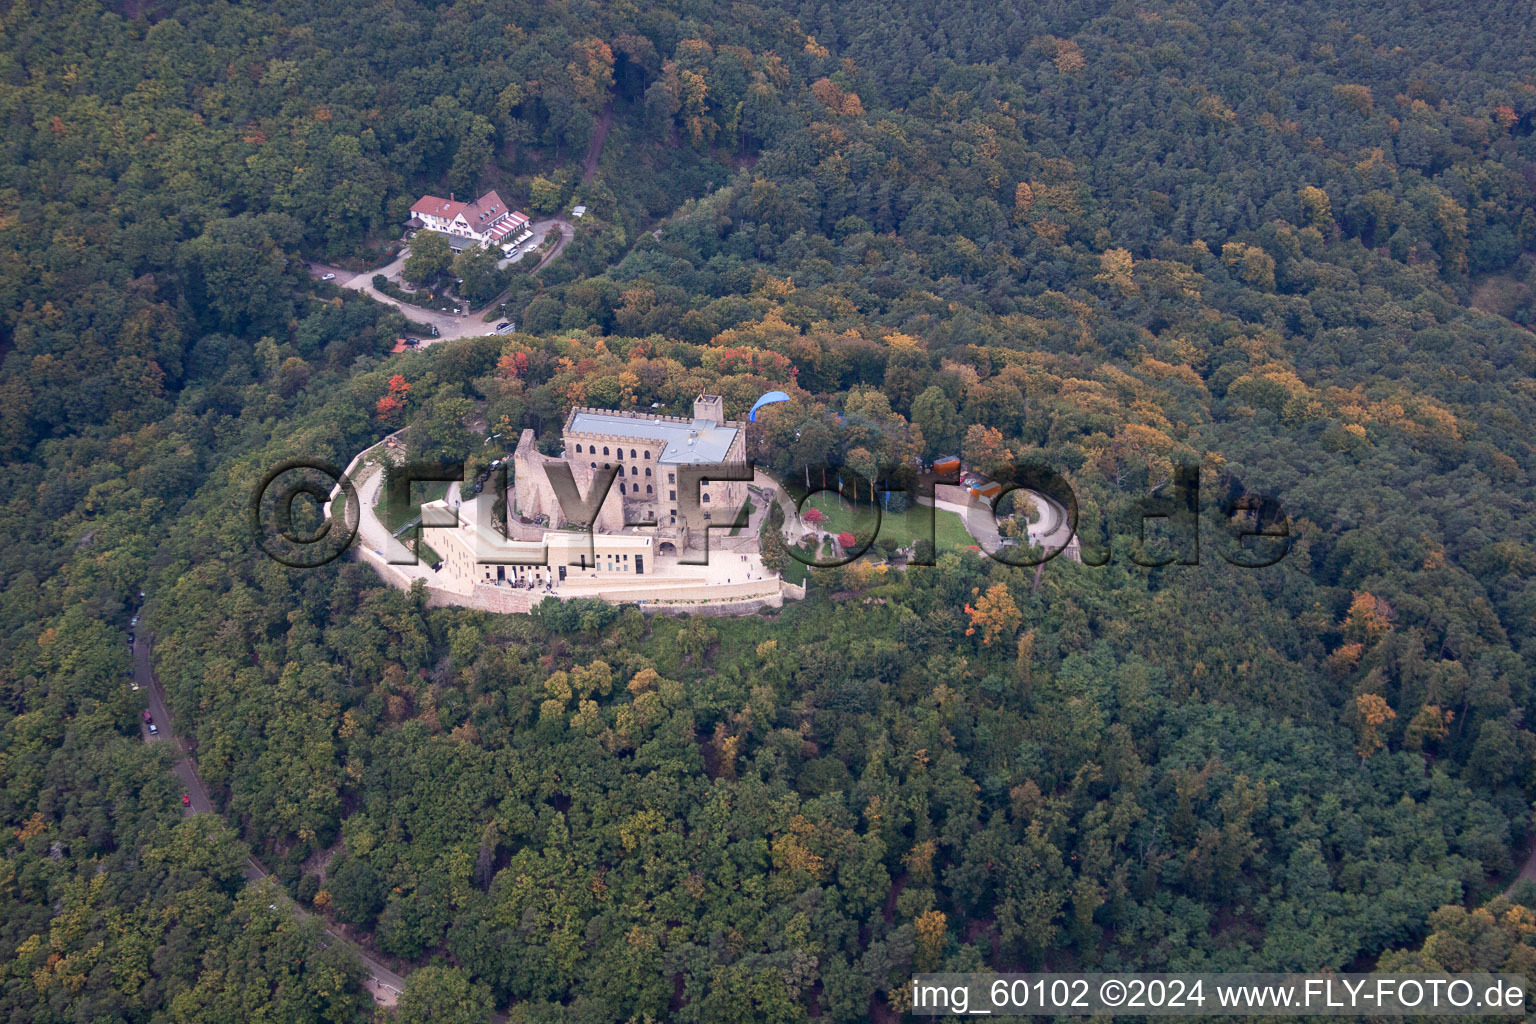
(986, 450)
(931, 937)
(544, 195)
(771, 547)
(591, 72)
(438, 429)
(357, 892)
(994, 614)
(1372, 713)
(481, 279)
(393, 401)
(1252, 264)
(934, 413)
(1316, 207)
(234, 271)
(1115, 270)
(443, 995)
(430, 256)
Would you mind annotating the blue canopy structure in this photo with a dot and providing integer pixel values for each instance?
(768, 399)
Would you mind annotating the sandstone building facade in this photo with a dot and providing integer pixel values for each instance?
(649, 452)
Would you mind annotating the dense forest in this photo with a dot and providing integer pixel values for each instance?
(1291, 245)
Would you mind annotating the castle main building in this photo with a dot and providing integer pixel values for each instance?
(648, 450)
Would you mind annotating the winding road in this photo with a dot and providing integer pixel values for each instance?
(449, 325)
(385, 985)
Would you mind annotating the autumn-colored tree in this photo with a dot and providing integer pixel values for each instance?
(1023, 663)
(1115, 270)
(1317, 207)
(985, 449)
(512, 365)
(390, 405)
(829, 95)
(1369, 619)
(994, 614)
(791, 850)
(1372, 712)
(1450, 220)
(1253, 265)
(1067, 56)
(33, 826)
(919, 862)
(932, 933)
(1431, 724)
(591, 72)
(1357, 96)
(1343, 661)
(1023, 199)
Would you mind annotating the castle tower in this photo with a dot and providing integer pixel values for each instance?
(710, 407)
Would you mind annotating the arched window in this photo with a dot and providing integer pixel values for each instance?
(647, 470)
(578, 449)
(634, 470)
(631, 453)
(605, 449)
(647, 488)
(647, 453)
(621, 488)
(621, 453)
(706, 499)
(594, 465)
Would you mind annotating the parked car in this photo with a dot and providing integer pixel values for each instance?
(413, 342)
(148, 717)
(130, 639)
(505, 327)
(186, 801)
(327, 277)
(152, 730)
(133, 621)
(133, 684)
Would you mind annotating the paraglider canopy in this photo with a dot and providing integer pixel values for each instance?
(768, 399)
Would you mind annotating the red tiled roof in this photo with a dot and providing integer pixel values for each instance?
(436, 206)
(487, 215)
(485, 211)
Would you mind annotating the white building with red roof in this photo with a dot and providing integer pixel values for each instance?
(486, 221)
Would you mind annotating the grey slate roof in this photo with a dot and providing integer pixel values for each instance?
(709, 441)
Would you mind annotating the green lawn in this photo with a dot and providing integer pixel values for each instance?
(949, 533)
(421, 493)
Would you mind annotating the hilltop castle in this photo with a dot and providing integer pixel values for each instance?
(534, 559)
(647, 449)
